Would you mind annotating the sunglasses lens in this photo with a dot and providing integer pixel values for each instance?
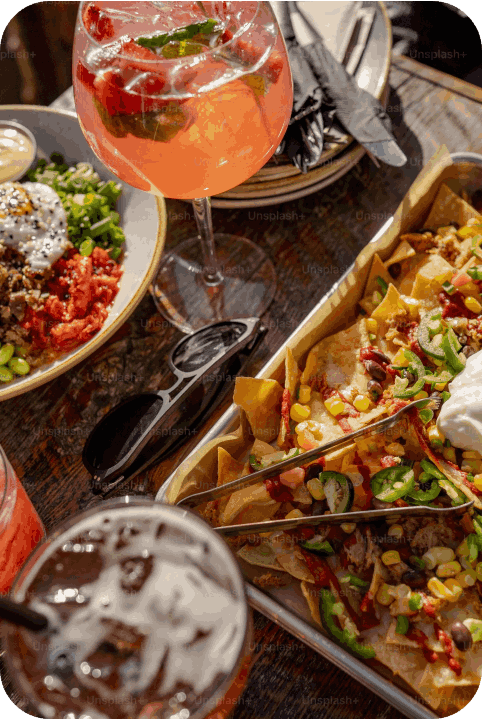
(203, 346)
(119, 431)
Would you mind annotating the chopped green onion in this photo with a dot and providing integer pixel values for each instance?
(402, 624)
(382, 285)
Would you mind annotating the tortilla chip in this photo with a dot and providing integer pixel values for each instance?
(334, 460)
(431, 274)
(389, 305)
(261, 400)
(330, 427)
(292, 375)
(294, 564)
(240, 500)
(336, 357)
(311, 594)
(377, 269)
(261, 556)
(229, 469)
(261, 449)
(449, 208)
(403, 252)
(366, 417)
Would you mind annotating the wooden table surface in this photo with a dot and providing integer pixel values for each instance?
(311, 241)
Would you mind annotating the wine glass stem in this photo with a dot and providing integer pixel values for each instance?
(202, 212)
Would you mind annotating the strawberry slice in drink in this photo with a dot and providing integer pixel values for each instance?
(97, 24)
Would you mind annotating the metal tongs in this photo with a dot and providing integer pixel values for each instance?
(210, 495)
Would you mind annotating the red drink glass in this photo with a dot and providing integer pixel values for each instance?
(20, 527)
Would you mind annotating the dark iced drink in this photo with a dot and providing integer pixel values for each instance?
(147, 615)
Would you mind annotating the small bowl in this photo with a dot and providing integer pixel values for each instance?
(19, 168)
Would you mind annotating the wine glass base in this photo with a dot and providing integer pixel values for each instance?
(182, 295)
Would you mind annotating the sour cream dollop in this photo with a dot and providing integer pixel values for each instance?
(460, 419)
(33, 222)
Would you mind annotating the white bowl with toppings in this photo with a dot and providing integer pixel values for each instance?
(36, 230)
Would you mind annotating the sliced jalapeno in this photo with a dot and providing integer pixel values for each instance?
(426, 332)
(341, 636)
(392, 483)
(419, 496)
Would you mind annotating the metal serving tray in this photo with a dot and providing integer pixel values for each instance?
(280, 605)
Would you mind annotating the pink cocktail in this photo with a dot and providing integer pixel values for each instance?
(20, 527)
(187, 100)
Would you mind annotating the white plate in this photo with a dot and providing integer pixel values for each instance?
(143, 219)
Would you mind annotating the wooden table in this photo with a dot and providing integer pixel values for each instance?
(44, 430)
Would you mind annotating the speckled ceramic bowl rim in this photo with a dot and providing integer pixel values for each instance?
(50, 372)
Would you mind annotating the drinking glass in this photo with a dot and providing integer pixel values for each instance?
(191, 118)
(147, 612)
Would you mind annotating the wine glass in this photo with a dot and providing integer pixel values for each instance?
(186, 100)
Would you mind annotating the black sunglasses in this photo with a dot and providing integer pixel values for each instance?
(146, 428)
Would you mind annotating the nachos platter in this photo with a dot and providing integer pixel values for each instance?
(404, 594)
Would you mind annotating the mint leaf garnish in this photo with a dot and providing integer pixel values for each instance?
(184, 33)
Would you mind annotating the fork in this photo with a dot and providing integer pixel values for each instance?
(209, 495)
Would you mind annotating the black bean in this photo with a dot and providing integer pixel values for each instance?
(375, 370)
(461, 636)
(395, 270)
(375, 389)
(313, 471)
(383, 359)
(378, 504)
(318, 507)
(414, 578)
(468, 351)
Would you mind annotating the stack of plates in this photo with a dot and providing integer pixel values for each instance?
(368, 58)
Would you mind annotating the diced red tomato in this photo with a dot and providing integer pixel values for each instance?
(454, 306)
(461, 279)
(388, 461)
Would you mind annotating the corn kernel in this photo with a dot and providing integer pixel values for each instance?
(440, 386)
(299, 412)
(478, 482)
(467, 231)
(471, 454)
(439, 589)
(449, 569)
(391, 557)
(396, 530)
(465, 579)
(478, 571)
(463, 549)
(435, 433)
(315, 488)
(400, 360)
(348, 527)
(438, 555)
(294, 514)
(449, 454)
(372, 326)
(304, 394)
(454, 587)
(335, 406)
(361, 403)
(383, 596)
(396, 449)
(421, 395)
(472, 304)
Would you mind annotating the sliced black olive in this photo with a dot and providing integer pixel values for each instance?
(414, 578)
(380, 356)
(375, 370)
(318, 507)
(339, 492)
(395, 270)
(461, 636)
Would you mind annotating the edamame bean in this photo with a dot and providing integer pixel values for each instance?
(19, 365)
(6, 353)
(6, 374)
